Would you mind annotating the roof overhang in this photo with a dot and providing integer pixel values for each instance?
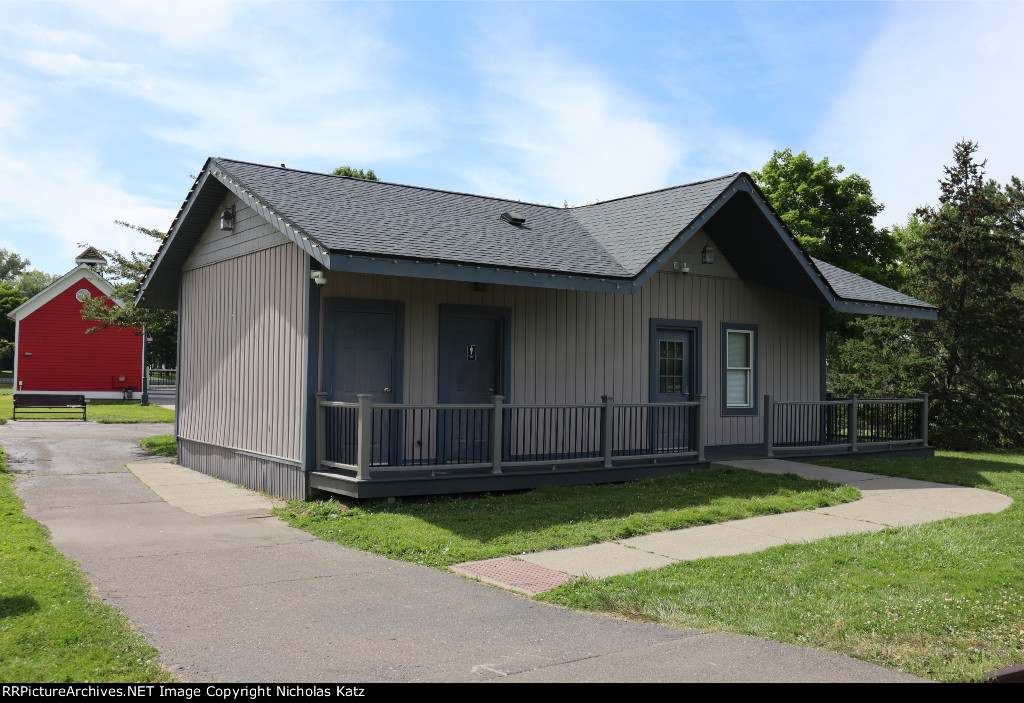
(739, 219)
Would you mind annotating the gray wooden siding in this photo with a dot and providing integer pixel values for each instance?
(573, 347)
(690, 253)
(252, 233)
(241, 352)
(255, 472)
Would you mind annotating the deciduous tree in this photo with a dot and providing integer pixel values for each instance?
(368, 174)
(831, 216)
(125, 272)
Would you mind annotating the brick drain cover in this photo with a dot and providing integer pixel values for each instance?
(521, 575)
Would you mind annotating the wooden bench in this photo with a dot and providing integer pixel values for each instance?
(37, 402)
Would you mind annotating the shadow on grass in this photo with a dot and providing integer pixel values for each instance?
(988, 470)
(489, 517)
(17, 605)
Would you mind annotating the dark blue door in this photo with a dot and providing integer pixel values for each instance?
(363, 358)
(470, 373)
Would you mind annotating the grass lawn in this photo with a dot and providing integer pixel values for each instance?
(164, 445)
(448, 530)
(105, 411)
(943, 600)
(52, 628)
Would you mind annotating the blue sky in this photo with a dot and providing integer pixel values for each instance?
(107, 109)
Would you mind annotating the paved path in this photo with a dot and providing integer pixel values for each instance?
(885, 502)
(229, 594)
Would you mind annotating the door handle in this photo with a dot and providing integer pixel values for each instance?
(387, 390)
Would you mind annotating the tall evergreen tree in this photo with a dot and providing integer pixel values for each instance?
(967, 258)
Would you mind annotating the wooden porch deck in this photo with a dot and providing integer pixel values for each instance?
(372, 451)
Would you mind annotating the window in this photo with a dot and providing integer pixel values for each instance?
(739, 369)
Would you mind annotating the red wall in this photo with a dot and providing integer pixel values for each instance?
(65, 358)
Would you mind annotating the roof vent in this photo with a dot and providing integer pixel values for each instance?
(513, 218)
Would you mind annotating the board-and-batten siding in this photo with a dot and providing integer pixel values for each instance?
(241, 371)
(251, 233)
(573, 347)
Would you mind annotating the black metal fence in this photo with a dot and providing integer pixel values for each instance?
(162, 378)
(847, 422)
(366, 436)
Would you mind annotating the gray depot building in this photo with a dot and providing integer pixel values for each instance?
(376, 339)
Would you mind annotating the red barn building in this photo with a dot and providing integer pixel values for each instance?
(53, 353)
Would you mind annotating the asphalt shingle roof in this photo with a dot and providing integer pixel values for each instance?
(353, 215)
(637, 228)
(616, 240)
(850, 286)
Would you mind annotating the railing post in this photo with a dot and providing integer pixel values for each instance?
(606, 430)
(769, 426)
(364, 436)
(497, 431)
(321, 435)
(702, 424)
(924, 419)
(851, 423)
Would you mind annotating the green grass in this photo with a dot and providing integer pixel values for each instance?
(943, 600)
(448, 530)
(103, 411)
(164, 445)
(52, 628)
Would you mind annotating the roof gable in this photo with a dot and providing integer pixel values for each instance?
(40, 299)
(351, 224)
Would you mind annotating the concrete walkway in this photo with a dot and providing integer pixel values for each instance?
(886, 502)
(227, 593)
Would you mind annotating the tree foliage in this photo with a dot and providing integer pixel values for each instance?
(966, 256)
(368, 174)
(11, 265)
(29, 283)
(10, 298)
(125, 272)
(831, 216)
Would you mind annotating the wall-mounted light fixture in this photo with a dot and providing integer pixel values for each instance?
(680, 267)
(227, 219)
(707, 255)
(318, 277)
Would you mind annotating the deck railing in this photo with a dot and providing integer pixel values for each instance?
(376, 438)
(844, 423)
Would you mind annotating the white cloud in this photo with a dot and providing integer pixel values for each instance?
(53, 201)
(937, 73)
(73, 65)
(567, 133)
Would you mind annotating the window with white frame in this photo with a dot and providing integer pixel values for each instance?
(739, 372)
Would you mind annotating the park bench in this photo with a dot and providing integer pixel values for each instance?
(41, 402)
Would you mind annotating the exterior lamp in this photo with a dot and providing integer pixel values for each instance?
(227, 218)
(707, 255)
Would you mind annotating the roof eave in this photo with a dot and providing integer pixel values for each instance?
(884, 309)
(476, 273)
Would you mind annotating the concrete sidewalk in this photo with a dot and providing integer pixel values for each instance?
(886, 502)
(230, 594)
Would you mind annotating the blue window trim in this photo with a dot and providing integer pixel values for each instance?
(739, 327)
(695, 326)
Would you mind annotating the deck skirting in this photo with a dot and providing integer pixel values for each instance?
(244, 468)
